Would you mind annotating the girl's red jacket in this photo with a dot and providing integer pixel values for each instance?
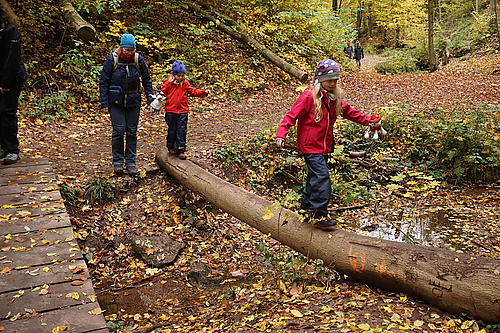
(316, 137)
(177, 95)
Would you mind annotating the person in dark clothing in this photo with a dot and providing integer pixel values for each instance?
(358, 54)
(119, 85)
(12, 77)
(349, 50)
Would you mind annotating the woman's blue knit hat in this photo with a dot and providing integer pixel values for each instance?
(327, 69)
(178, 67)
(127, 40)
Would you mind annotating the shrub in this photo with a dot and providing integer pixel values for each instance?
(100, 189)
(400, 63)
(464, 146)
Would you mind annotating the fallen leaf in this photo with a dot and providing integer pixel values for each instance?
(96, 311)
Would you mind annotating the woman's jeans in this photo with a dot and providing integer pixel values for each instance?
(316, 193)
(9, 102)
(177, 131)
(125, 121)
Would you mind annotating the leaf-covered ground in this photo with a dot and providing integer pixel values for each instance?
(255, 297)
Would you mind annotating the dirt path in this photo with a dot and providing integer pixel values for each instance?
(369, 62)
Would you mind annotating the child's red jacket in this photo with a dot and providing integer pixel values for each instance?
(177, 95)
(316, 137)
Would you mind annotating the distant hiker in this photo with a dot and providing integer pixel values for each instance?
(315, 113)
(349, 50)
(358, 54)
(12, 77)
(177, 88)
(120, 82)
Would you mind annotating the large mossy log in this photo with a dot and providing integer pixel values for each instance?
(454, 282)
(85, 31)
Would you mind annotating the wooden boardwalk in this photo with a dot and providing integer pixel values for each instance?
(44, 282)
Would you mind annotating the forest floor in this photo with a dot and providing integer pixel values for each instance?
(79, 151)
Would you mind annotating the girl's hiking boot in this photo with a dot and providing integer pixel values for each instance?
(132, 169)
(118, 169)
(325, 224)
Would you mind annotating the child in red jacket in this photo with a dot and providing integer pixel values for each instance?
(316, 111)
(176, 88)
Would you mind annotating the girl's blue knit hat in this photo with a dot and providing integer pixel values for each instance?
(327, 69)
(178, 67)
(127, 40)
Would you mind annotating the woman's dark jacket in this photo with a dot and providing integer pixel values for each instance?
(128, 77)
(12, 70)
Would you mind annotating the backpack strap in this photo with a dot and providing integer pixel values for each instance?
(116, 61)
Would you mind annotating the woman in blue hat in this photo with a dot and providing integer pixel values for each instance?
(120, 88)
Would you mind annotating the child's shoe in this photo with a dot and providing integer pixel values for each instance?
(171, 151)
(325, 224)
(182, 156)
(118, 169)
(132, 169)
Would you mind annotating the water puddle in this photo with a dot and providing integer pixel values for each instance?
(431, 228)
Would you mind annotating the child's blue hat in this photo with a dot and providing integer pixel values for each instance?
(178, 67)
(327, 69)
(128, 40)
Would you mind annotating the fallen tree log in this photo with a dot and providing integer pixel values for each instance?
(263, 50)
(454, 282)
(84, 30)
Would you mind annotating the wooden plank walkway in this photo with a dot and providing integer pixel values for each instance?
(44, 281)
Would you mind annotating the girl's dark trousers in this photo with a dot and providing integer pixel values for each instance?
(316, 193)
(177, 131)
(9, 128)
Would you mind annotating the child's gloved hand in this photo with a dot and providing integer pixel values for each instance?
(280, 142)
(208, 91)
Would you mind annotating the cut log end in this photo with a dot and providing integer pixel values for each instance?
(86, 33)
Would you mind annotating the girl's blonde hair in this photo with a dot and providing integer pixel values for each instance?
(171, 78)
(318, 96)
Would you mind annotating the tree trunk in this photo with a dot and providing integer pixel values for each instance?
(430, 19)
(369, 24)
(456, 283)
(335, 5)
(264, 51)
(84, 30)
(494, 11)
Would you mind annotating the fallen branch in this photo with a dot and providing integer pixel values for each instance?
(263, 50)
(337, 209)
(84, 30)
